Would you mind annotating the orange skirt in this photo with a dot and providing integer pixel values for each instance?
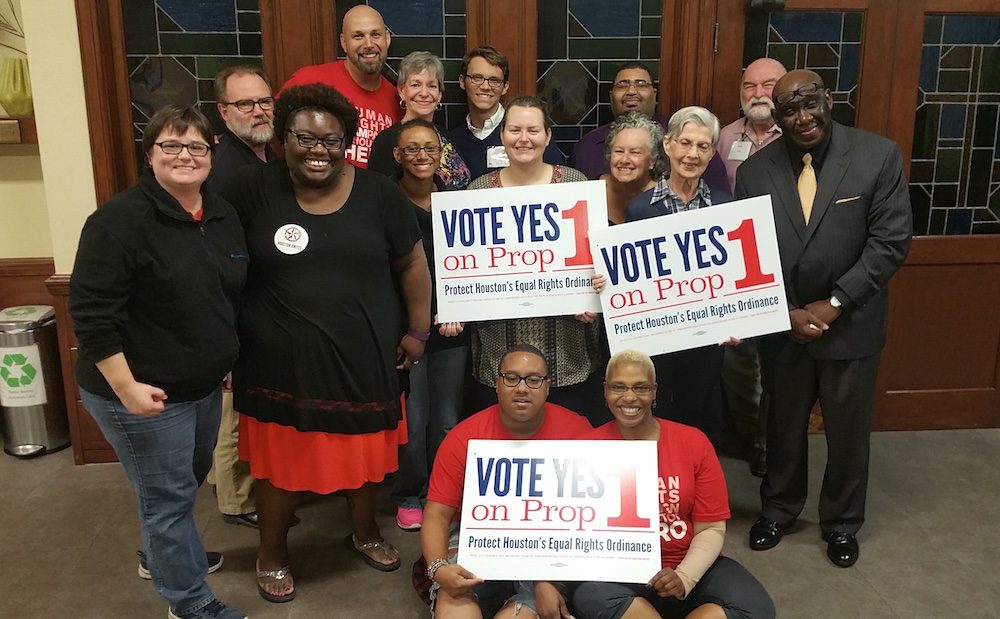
(318, 461)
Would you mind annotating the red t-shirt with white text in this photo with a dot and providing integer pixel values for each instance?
(692, 486)
(377, 109)
(448, 476)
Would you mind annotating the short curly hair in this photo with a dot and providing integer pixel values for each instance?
(315, 97)
(635, 119)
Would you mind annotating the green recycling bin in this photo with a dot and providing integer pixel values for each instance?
(31, 388)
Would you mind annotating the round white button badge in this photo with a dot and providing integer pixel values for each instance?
(291, 239)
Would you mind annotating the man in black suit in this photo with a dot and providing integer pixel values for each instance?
(843, 221)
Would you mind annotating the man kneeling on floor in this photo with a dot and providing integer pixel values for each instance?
(521, 413)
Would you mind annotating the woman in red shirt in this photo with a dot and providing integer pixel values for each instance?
(696, 580)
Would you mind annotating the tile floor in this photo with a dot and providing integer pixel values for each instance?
(930, 548)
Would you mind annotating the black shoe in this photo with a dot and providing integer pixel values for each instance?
(842, 548)
(214, 563)
(246, 520)
(758, 462)
(765, 534)
(251, 520)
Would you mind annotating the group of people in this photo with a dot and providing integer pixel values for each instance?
(309, 279)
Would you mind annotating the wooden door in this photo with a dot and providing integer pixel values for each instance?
(926, 74)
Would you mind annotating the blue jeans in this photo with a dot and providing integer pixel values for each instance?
(436, 389)
(166, 457)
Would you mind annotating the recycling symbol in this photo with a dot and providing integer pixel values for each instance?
(16, 371)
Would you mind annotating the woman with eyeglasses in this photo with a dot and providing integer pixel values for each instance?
(437, 382)
(570, 343)
(421, 86)
(320, 328)
(690, 387)
(154, 298)
(695, 581)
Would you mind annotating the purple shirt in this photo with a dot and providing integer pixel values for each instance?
(588, 157)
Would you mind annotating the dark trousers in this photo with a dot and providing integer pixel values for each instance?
(689, 389)
(845, 390)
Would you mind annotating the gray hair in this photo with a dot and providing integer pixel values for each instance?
(415, 62)
(637, 120)
(693, 114)
(630, 356)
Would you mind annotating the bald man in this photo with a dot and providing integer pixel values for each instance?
(843, 221)
(746, 427)
(365, 40)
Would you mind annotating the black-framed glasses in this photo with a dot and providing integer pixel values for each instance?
(308, 140)
(411, 151)
(246, 105)
(477, 80)
(806, 90)
(640, 390)
(195, 149)
(513, 379)
(637, 84)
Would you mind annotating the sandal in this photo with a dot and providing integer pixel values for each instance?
(368, 549)
(276, 580)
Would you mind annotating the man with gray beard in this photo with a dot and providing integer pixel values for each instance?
(746, 426)
(246, 106)
(745, 136)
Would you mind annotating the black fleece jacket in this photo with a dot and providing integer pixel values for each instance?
(153, 283)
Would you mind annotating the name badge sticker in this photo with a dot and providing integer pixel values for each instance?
(496, 157)
(740, 150)
(291, 239)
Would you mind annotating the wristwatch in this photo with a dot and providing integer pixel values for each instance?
(834, 301)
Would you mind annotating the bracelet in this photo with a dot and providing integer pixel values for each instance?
(421, 336)
(434, 566)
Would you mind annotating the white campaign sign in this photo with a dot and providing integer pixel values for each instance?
(516, 252)
(21, 380)
(691, 279)
(561, 510)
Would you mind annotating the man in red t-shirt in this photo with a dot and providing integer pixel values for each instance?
(365, 40)
(521, 413)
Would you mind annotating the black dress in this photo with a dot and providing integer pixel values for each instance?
(319, 328)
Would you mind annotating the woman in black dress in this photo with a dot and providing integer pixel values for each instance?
(316, 384)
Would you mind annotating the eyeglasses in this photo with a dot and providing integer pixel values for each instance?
(330, 142)
(637, 84)
(685, 144)
(806, 90)
(195, 149)
(512, 379)
(639, 390)
(246, 105)
(411, 151)
(477, 80)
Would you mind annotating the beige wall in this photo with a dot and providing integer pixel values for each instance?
(46, 195)
(24, 219)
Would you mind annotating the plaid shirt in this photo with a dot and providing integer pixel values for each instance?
(672, 203)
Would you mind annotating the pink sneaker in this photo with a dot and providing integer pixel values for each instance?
(409, 518)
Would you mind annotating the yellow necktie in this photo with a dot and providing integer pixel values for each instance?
(807, 186)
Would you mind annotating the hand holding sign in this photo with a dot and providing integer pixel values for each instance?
(691, 279)
(516, 252)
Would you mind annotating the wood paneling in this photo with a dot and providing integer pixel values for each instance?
(89, 445)
(511, 27)
(296, 33)
(105, 85)
(941, 365)
(687, 55)
(22, 281)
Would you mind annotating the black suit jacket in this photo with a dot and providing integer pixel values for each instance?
(858, 235)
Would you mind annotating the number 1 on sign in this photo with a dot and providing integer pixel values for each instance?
(747, 236)
(581, 222)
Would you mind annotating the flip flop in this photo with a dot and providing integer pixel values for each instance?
(275, 577)
(363, 549)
